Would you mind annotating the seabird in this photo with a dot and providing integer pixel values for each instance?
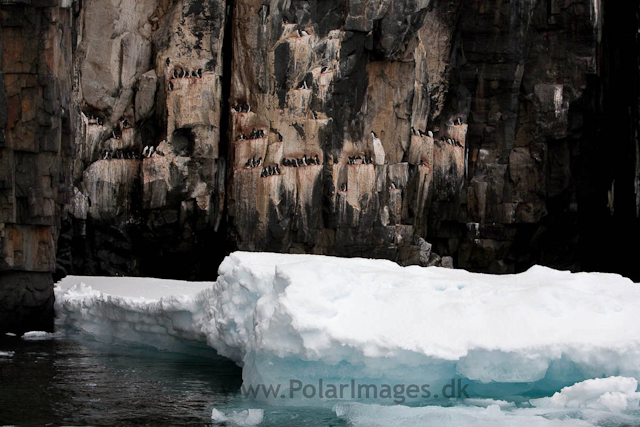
(277, 169)
(314, 114)
(323, 70)
(304, 33)
(420, 132)
(610, 197)
(168, 61)
(170, 86)
(295, 162)
(248, 164)
(343, 187)
(259, 161)
(430, 134)
(199, 73)
(285, 20)
(182, 73)
(299, 33)
(151, 150)
(104, 155)
(145, 152)
(378, 149)
(304, 160)
(284, 161)
(459, 121)
(413, 131)
(175, 73)
(317, 160)
(392, 187)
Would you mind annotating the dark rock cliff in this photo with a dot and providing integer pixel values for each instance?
(505, 135)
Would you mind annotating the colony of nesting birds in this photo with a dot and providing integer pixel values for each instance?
(255, 134)
(241, 108)
(303, 161)
(363, 160)
(270, 170)
(179, 73)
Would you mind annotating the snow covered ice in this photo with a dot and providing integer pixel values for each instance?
(306, 317)
(248, 417)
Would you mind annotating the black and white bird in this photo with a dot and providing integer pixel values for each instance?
(145, 152)
(175, 73)
(199, 73)
(317, 160)
(343, 187)
(323, 70)
(304, 160)
(303, 85)
(170, 86)
(378, 149)
(430, 134)
(152, 149)
(413, 131)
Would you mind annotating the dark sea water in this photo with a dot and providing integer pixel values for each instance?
(68, 380)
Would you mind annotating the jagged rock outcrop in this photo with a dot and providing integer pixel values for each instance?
(434, 132)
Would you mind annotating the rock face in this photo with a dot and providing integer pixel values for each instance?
(35, 142)
(431, 132)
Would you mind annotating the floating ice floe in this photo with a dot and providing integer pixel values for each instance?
(248, 417)
(613, 393)
(39, 335)
(293, 320)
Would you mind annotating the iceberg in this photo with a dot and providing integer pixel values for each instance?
(305, 325)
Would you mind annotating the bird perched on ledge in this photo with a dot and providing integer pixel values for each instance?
(378, 149)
